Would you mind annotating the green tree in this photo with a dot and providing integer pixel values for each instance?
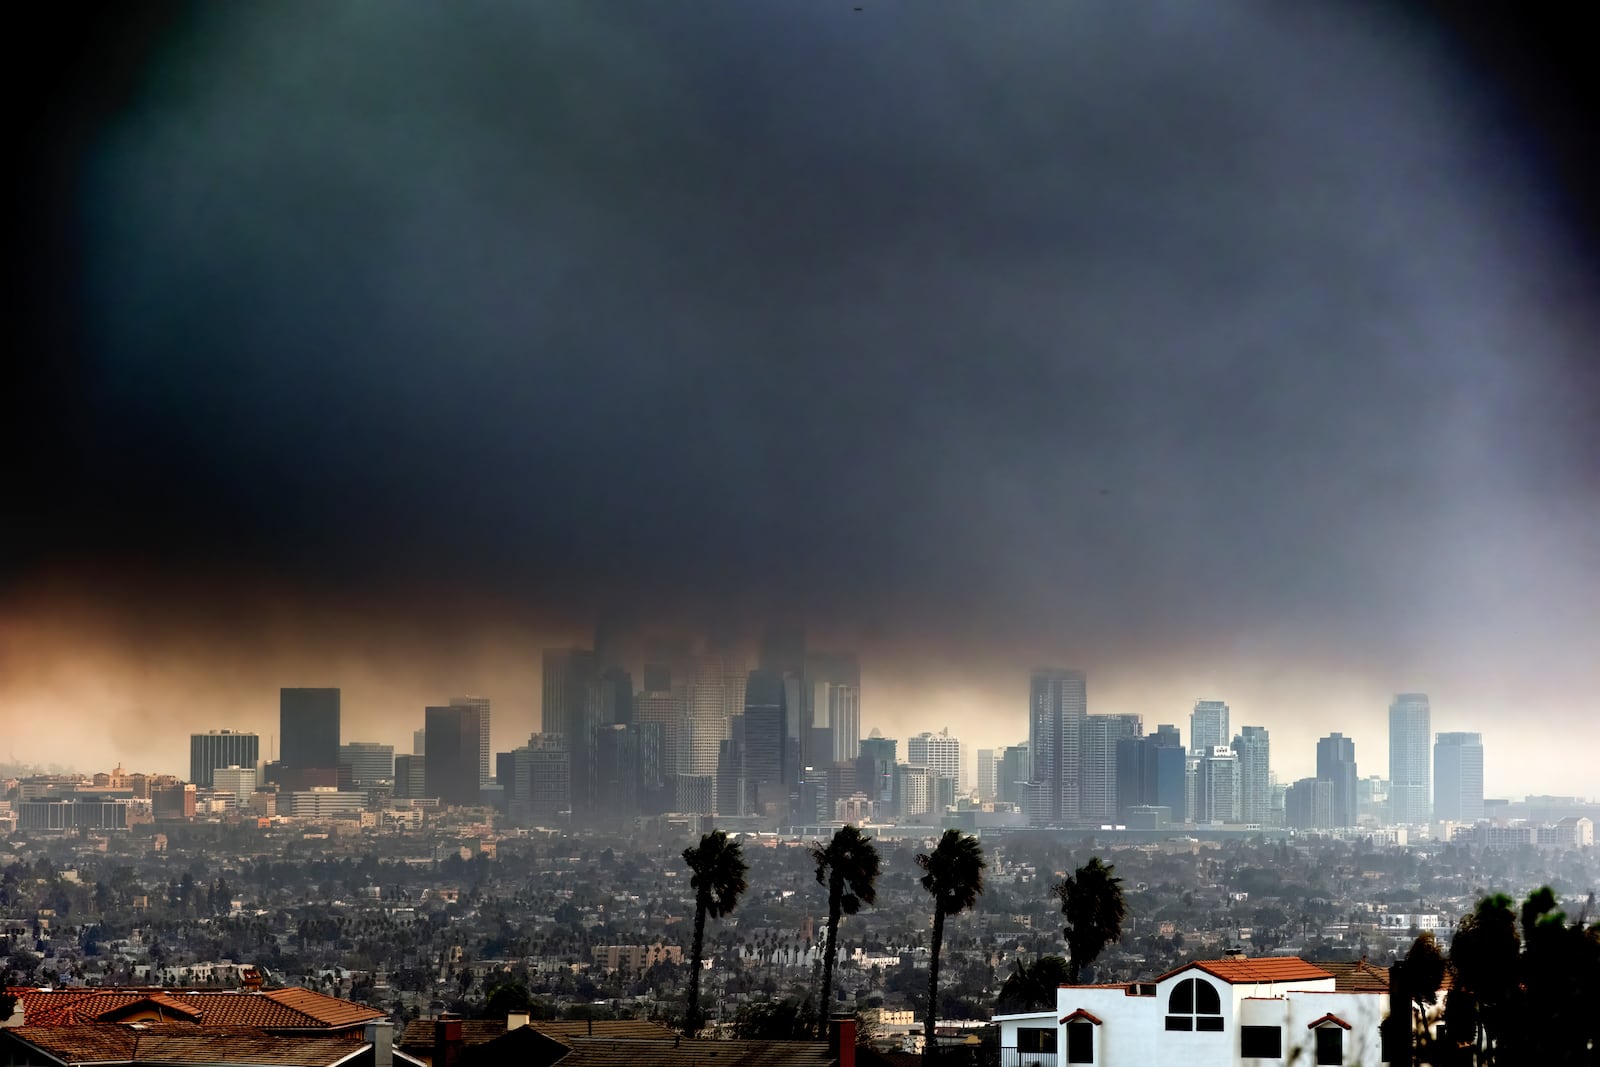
(1033, 988)
(1414, 984)
(718, 881)
(953, 876)
(1091, 900)
(848, 866)
(1484, 961)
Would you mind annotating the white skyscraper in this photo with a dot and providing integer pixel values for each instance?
(940, 753)
(1208, 726)
(844, 719)
(1218, 786)
(1410, 760)
(1255, 774)
(1458, 777)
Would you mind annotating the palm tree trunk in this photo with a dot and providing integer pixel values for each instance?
(697, 953)
(933, 984)
(825, 1009)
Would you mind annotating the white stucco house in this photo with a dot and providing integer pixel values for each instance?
(1233, 1012)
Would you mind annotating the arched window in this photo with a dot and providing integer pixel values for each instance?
(1194, 1005)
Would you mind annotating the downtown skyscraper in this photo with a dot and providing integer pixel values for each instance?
(1458, 777)
(1254, 749)
(308, 736)
(1058, 702)
(451, 768)
(1208, 726)
(1336, 765)
(485, 747)
(1410, 760)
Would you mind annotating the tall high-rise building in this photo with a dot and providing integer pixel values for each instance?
(1152, 771)
(369, 762)
(1336, 765)
(1217, 788)
(541, 779)
(1410, 760)
(875, 769)
(485, 742)
(1308, 805)
(1057, 704)
(452, 761)
(664, 707)
(564, 689)
(765, 732)
(221, 748)
(940, 753)
(1208, 726)
(706, 719)
(733, 785)
(308, 729)
(1255, 774)
(844, 719)
(986, 768)
(411, 776)
(1097, 788)
(419, 741)
(1458, 777)
(1012, 774)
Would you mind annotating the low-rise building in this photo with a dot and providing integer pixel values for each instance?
(1232, 1012)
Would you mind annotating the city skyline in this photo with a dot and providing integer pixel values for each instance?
(1116, 337)
(1289, 760)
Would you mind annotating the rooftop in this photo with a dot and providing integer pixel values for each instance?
(1239, 970)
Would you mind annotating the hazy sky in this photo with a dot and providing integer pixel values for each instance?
(1238, 351)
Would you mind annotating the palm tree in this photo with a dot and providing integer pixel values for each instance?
(1091, 899)
(848, 866)
(954, 877)
(719, 870)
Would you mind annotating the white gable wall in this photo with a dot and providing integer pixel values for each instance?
(1133, 1029)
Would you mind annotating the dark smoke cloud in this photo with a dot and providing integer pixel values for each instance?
(1218, 351)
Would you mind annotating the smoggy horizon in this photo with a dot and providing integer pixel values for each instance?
(1236, 353)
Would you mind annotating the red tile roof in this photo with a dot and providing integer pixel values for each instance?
(1266, 969)
(271, 1009)
(1358, 976)
(181, 1043)
(1328, 1018)
(1081, 1014)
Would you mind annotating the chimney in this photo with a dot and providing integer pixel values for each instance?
(842, 1039)
(516, 1020)
(447, 1043)
(380, 1035)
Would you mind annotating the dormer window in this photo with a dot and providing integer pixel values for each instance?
(1194, 1005)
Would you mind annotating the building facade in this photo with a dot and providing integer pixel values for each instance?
(1458, 777)
(1336, 765)
(1058, 702)
(221, 748)
(1232, 1012)
(451, 767)
(1253, 746)
(308, 729)
(1410, 760)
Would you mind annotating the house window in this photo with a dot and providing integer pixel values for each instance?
(1080, 1042)
(1036, 1039)
(1194, 1005)
(1261, 1042)
(1330, 1046)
